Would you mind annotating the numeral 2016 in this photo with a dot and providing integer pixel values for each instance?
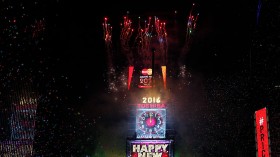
(151, 100)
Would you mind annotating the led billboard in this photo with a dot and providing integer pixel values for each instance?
(262, 133)
(145, 79)
(150, 123)
(149, 148)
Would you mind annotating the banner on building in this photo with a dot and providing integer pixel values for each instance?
(262, 133)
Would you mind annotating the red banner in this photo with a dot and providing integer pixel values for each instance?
(130, 72)
(262, 135)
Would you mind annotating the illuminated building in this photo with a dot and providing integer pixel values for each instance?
(147, 85)
(150, 106)
(21, 118)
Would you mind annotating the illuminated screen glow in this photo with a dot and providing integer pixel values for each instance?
(145, 79)
(22, 119)
(130, 73)
(16, 148)
(150, 123)
(150, 148)
(163, 69)
(151, 106)
(262, 133)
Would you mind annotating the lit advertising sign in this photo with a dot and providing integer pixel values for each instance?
(262, 135)
(145, 79)
(150, 148)
(151, 106)
(150, 99)
(150, 123)
(146, 72)
(16, 148)
(151, 102)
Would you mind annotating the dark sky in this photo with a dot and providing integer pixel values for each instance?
(221, 43)
(213, 104)
(225, 31)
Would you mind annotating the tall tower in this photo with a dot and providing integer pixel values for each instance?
(150, 106)
(145, 48)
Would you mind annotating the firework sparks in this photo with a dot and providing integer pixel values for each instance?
(191, 25)
(111, 73)
(162, 39)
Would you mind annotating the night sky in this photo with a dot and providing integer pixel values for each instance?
(229, 70)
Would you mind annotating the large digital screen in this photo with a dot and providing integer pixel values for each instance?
(150, 123)
(262, 135)
(16, 148)
(145, 79)
(150, 148)
(22, 120)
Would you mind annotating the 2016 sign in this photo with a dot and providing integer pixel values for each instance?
(150, 100)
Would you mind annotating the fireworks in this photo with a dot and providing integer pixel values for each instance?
(191, 25)
(137, 40)
(107, 29)
(143, 41)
